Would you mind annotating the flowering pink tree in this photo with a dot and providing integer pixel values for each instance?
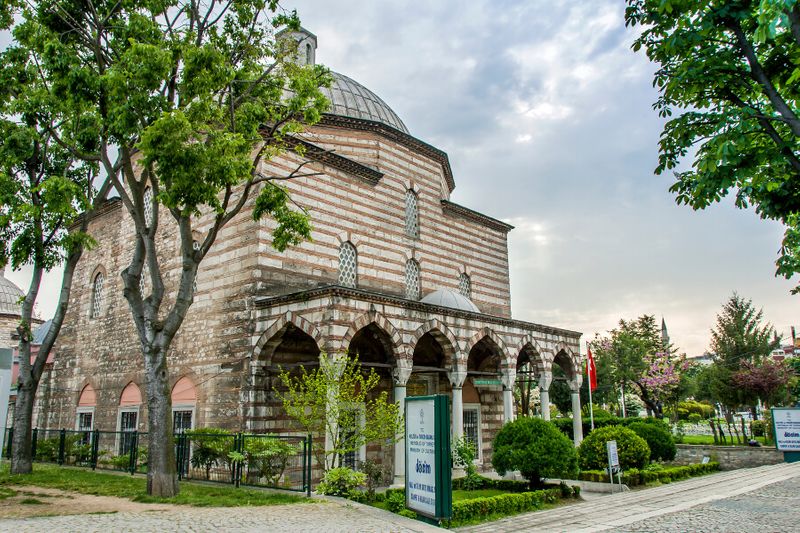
(766, 380)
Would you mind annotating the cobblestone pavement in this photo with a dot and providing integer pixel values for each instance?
(763, 499)
(320, 516)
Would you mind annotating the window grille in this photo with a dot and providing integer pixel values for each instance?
(97, 295)
(465, 285)
(412, 214)
(127, 425)
(148, 206)
(472, 427)
(412, 280)
(348, 265)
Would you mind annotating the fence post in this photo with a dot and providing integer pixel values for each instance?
(34, 442)
(238, 445)
(308, 462)
(181, 454)
(62, 437)
(134, 452)
(95, 448)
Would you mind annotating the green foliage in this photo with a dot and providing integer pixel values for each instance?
(210, 447)
(375, 473)
(694, 418)
(728, 73)
(597, 411)
(267, 458)
(341, 481)
(464, 454)
(536, 448)
(659, 440)
(758, 428)
(635, 477)
(632, 450)
(508, 504)
(338, 400)
(484, 483)
(687, 408)
(396, 501)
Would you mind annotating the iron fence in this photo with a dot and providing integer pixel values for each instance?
(260, 460)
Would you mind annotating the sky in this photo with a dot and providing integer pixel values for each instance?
(545, 113)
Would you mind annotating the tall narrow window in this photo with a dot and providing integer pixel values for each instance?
(412, 214)
(348, 265)
(309, 60)
(148, 206)
(97, 295)
(465, 285)
(412, 280)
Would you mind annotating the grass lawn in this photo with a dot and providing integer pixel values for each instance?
(134, 488)
(709, 439)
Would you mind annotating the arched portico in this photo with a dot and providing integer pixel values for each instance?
(566, 360)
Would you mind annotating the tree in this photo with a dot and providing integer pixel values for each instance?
(727, 70)
(43, 189)
(536, 448)
(637, 356)
(766, 380)
(187, 100)
(739, 336)
(338, 402)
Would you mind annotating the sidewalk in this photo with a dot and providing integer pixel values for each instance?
(625, 510)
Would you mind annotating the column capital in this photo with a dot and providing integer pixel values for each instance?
(401, 372)
(575, 383)
(545, 380)
(457, 378)
(508, 375)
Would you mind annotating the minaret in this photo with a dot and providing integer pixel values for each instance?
(664, 334)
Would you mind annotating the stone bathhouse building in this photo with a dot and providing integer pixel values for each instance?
(416, 285)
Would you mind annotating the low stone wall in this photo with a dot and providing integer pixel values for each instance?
(729, 457)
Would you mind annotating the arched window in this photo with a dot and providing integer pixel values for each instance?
(84, 419)
(308, 54)
(348, 265)
(465, 285)
(412, 214)
(148, 206)
(412, 280)
(184, 399)
(97, 295)
(128, 420)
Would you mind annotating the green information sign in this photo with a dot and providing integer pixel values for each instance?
(429, 479)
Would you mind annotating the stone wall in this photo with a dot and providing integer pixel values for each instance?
(729, 457)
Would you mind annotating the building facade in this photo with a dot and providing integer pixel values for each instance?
(416, 285)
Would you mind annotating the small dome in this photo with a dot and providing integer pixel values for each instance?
(351, 99)
(10, 296)
(40, 332)
(452, 299)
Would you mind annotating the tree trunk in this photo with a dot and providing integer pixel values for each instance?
(162, 474)
(21, 460)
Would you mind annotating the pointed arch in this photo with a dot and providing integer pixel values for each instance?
(566, 359)
(380, 321)
(131, 395)
(270, 339)
(444, 336)
(493, 336)
(88, 397)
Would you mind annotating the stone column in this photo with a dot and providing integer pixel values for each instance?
(508, 376)
(577, 424)
(457, 378)
(401, 373)
(544, 393)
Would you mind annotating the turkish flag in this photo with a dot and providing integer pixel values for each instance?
(591, 369)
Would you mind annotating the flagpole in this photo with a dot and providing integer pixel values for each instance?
(589, 378)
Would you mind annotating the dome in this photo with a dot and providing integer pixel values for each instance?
(452, 299)
(351, 99)
(10, 296)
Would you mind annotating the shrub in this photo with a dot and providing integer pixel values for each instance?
(396, 501)
(536, 448)
(659, 440)
(597, 412)
(341, 481)
(632, 449)
(267, 457)
(505, 504)
(634, 476)
(464, 454)
(507, 485)
(694, 418)
(757, 427)
(375, 474)
(210, 447)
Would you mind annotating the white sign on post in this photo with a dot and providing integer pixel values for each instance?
(613, 457)
(421, 456)
(787, 429)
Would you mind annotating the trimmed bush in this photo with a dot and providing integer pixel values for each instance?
(659, 440)
(341, 481)
(505, 504)
(507, 485)
(694, 418)
(632, 449)
(536, 448)
(758, 428)
(635, 477)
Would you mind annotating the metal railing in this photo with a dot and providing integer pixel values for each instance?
(260, 460)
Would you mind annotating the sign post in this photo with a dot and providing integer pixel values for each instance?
(613, 462)
(786, 428)
(429, 478)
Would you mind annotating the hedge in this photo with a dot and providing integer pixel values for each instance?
(507, 485)
(634, 477)
(505, 504)
(565, 424)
